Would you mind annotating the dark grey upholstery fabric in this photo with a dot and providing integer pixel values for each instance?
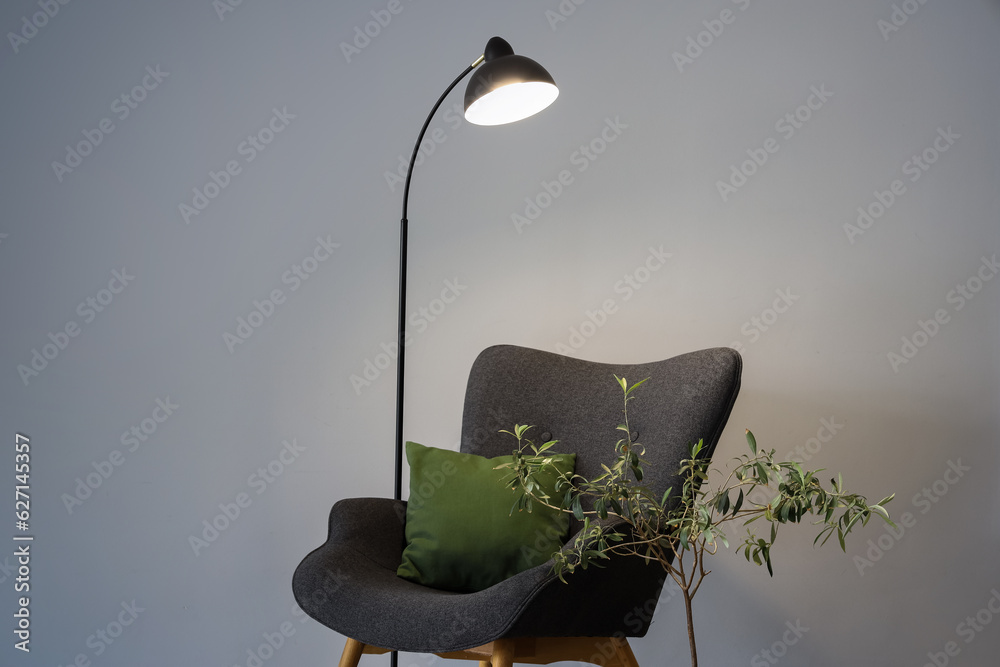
(350, 585)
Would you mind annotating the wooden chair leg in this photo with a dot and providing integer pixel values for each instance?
(503, 653)
(484, 663)
(352, 653)
(623, 652)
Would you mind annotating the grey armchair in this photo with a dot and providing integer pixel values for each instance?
(350, 585)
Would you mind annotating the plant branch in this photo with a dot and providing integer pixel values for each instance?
(633, 521)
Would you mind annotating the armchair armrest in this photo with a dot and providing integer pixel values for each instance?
(373, 527)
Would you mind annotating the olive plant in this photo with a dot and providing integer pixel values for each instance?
(622, 517)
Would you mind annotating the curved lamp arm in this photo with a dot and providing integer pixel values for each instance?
(423, 130)
(401, 331)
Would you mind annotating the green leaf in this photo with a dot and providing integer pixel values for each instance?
(722, 504)
(752, 441)
(633, 387)
(696, 448)
(881, 511)
(739, 503)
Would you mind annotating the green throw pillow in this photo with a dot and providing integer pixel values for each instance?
(460, 534)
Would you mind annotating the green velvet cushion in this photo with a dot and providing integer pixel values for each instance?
(460, 534)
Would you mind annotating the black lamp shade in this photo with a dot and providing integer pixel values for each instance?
(507, 87)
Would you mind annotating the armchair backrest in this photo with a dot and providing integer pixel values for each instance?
(578, 402)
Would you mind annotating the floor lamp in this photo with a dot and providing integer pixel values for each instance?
(505, 89)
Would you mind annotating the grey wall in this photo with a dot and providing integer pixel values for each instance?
(819, 376)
